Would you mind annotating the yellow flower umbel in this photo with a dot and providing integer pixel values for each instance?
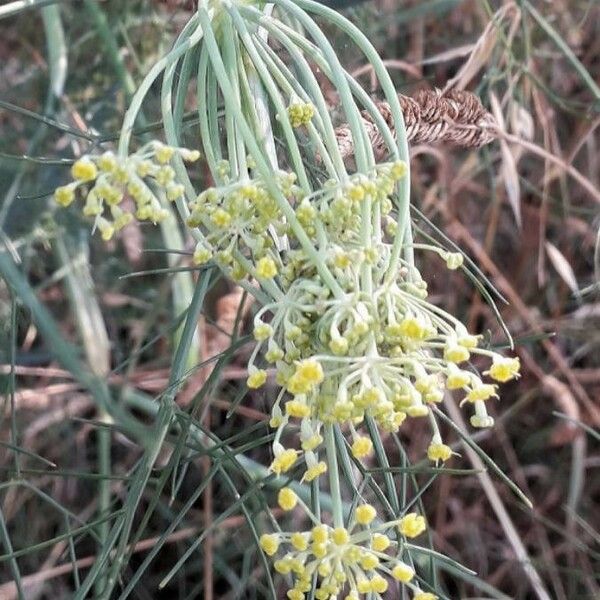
(325, 247)
(348, 563)
(105, 180)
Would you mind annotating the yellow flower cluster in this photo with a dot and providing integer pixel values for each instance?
(337, 207)
(240, 221)
(104, 181)
(354, 561)
(398, 357)
(390, 355)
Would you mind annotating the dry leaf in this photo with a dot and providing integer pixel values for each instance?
(483, 48)
(521, 121)
(508, 170)
(562, 266)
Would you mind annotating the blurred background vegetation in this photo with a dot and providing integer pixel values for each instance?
(525, 209)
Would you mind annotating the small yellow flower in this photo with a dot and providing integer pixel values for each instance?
(175, 191)
(342, 260)
(274, 354)
(365, 513)
(297, 409)
(468, 341)
(269, 543)
(379, 584)
(284, 461)
(362, 447)
(412, 525)
(164, 154)
(457, 379)
(266, 268)
(283, 566)
(318, 549)
(106, 229)
(402, 572)
(425, 596)
(438, 451)
(380, 542)
(276, 421)
(417, 410)
(107, 162)
(482, 422)
(189, 155)
(413, 328)
(287, 498)
(64, 195)
(308, 374)
(504, 369)
(456, 354)
(483, 391)
(84, 170)
(397, 419)
(310, 370)
(221, 218)
(201, 255)
(339, 346)
(320, 534)
(300, 113)
(299, 541)
(262, 332)
(356, 192)
(315, 471)
(256, 379)
(144, 167)
(312, 442)
(340, 536)
(398, 170)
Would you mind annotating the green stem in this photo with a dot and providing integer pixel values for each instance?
(163, 422)
(334, 476)
(189, 37)
(207, 89)
(275, 96)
